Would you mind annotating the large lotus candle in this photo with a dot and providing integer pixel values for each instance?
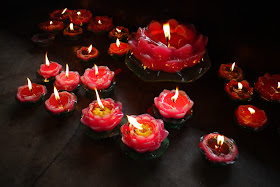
(31, 94)
(101, 78)
(239, 91)
(49, 70)
(230, 71)
(61, 14)
(68, 80)
(61, 104)
(73, 32)
(52, 26)
(182, 48)
(100, 24)
(87, 54)
(144, 137)
(174, 107)
(80, 17)
(118, 49)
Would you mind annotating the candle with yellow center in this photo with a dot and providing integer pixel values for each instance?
(100, 110)
(239, 91)
(72, 32)
(87, 55)
(230, 72)
(144, 129)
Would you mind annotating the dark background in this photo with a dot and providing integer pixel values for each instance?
(38, 150)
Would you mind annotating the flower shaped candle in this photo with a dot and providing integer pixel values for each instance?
(219, 150)
(43, 39)
(49, 70)
(239, 91)
(160, 50)
(100, 24)
(101, 78)
(61, 14)
(80, 17)
(73, 32)
(174, 107)
(68, 80)
(250, 118)
(87, 54)
(61, 104)
(118, 49)
(230, 71)
(31, 94)
(144, 137)
(52, 26)
(119, 32)
(268, 86)
(103, 116)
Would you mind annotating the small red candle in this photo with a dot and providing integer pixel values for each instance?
(250, 117)
(80, 17)
(49, 70)
(52, 26)
(61, 103)
(230, 71)
(239, 91)
(119, 32)
(68, 80)
(87, 54)
(31, 93)
(268, 86)
(61, 14)
(73, 32)
(118, 49)
(100, 24)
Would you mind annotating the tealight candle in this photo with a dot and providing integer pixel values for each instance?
(118, 49)
(100, 24)
(61, 14)
(43, 39)
(31, 94)
(119, 32)
(68, 80)
(174, 107)
(49, 70)
(101, 78)
(87, 54)
(144, 137)
(72, 32)
(251, 118)
(219, 150)
(61, 104)
(230, 71)
(239, 91)
(80, 17)
(52, 26)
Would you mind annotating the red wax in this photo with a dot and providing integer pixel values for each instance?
(65, 104)
(100, 24)
(26, 95)
(226, 73)
(239, 94)
(246, 119)
(267, 86)
(120, 50)
(102, 122)
(49, 71)
(56, 25)
(72, 33)
(57, 14)
(148, 139)
(170, 109)
(83, 53)
(82, 18)
(67, 83)
(121, 33)
(101, 81)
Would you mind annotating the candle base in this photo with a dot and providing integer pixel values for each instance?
(117, 57)
(173, 123)
(147, 155)
(105, 93)
(45, 80)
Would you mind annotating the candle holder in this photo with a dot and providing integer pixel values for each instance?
(43, 39)
(239, 91)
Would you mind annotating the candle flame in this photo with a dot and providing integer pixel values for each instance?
(232, 66)
(29, 84)
(166, 30)
(56, 94)
(79, 13)
(64, 11)
(220, 140)
(51, 22)
(98, 99)
(134, 122)
(89, 48)
(174, 98)
(118, 42)
(71, 26)
(278, 87)
(96, 70)
(67, 71)
(118, 30)
(240, 86)
(99, 22)
(251, 110)
(47, 60)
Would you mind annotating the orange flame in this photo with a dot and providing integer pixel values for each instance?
(118, 30)
(99, 22)
(174, 98)
(47, 60)
(89, 48)
(67, 71)
(232, 66)
(166, 30)
(29, 84)
(134, 122)
(278, 87)
(118, 42)
(71, 26)
(98, 99)
(96, 70)
(64, 11)
(251, 110)
(51, 22)
(56, 94)
(240, 86)
(220, 140)
(79, 13)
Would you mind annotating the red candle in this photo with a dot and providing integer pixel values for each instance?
(99, 77)
(250, 117)
(49, 69)
(119, 32)
(52, 26)
(118, 49)
(61, 103)
(268, 86)
(31, 93)
(143, 133)
(239, 91)
(87, 54)
(73, 32)
(173, 104)
(230, 71)
(80, 17)
(61, 14)
(100, 24)
(169, 48)
(68, 80)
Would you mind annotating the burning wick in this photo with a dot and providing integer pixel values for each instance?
(71, 27)
(118, 42)
(47, 60)
(29, 84)
(96, 70)
(99, 22)
(89, 49)
(67, 71)
(79, 13)
(240, 86)
(51, 22)
(220, 141)
(56, 94)
(251, 110)
(99, 101)
(166, 30)
(118, 30)
(134, 122)
(64, 11)
(278, 87)
(232, 66)
(174, 98)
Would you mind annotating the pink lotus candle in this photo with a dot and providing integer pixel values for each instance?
(80, 17)
(68, 80)
(52, 26)
(118, 49)
(49, 70)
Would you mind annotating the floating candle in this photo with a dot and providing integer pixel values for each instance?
(230, 71)
(119, 32)
(118, 49)
(73, 32)
(239, 91)
(87, 54)
(100, 24)
(80, 17)
(52, 26)
(61, 14)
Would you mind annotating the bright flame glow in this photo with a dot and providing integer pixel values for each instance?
(251, 110)
(71, 26)
(64, 11)
(51, 22)
(220, 140)
(232, 66)
(174, 98)
(79, 13)
(29, 84)
(56, 94)
(47, 60)
(99, 22)
(278, 87)
(240, 86)
(89, 48)
(96, 70)
(67, 71)
(166, 30)
(98, 99)
(118, 30)
(134, 122)
(118, 42)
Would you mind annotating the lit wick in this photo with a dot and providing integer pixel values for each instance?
(174, 98)
(278, 87)
(99, 100)
(239, 86)
(51, 22)
(56, 94)
(251, 110)
(47, 60)
(29, 84)
(64, 11)
(67, 71)
(99, 22)
(134, 122)
(118, 42)
(220, 141)
(96, 70)
(232, 66)
(166, 30)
